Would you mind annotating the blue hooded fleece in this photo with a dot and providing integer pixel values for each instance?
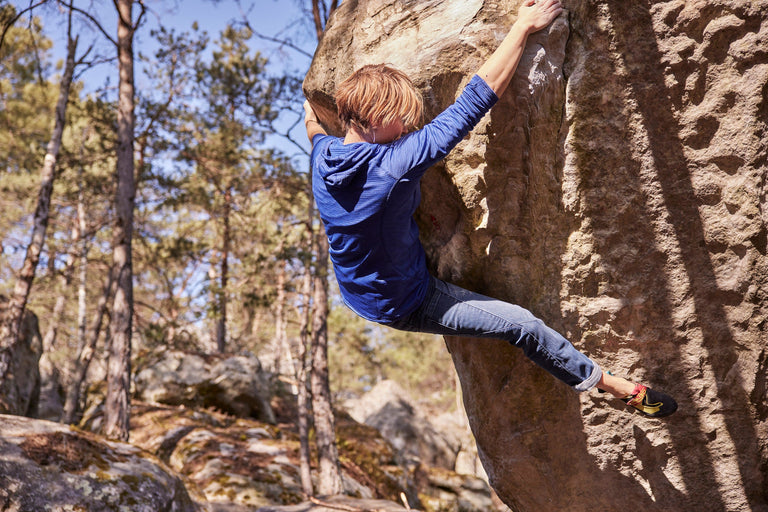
(367, 194)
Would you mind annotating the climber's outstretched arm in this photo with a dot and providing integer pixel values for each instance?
(500, 66)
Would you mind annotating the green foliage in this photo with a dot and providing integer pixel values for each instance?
(226, 196)
(27, 100)
(205, 158)
(362, 353)
(26, 97)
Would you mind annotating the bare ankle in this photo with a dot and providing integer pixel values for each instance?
(617, 386)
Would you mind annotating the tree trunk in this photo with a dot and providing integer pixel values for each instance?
(50, 403)
(9, 331)
(72, 395)
(285, 361)
(117, 409)
(85, 353)
(221, 324)
(75, 380)
(49, 340)
(329, 479)
(320, 14)
(255, 324)
(280, 340)
(304, 397)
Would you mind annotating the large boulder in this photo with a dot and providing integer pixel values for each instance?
(618, 190)
(231, 383)
(48, 466)
(20, 390)
(336, 503)
(389, 409)
(51, 402)
(241, 464)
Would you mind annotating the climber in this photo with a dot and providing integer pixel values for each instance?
(366, 187)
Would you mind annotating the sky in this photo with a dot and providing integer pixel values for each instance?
(271, 18)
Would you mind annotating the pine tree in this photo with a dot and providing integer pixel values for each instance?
(329, 481)
(11, 325)
(117, 403)
(220, 137)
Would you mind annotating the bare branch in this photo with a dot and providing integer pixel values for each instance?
(90, 18)
(141, 14)
(282, 42)
(317, 18)
(271, 39)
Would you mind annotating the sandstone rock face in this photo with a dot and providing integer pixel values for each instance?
(617, 190)
(47, 466)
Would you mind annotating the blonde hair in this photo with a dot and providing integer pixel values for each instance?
(377, 95)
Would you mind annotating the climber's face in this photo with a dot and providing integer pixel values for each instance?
(390, 132)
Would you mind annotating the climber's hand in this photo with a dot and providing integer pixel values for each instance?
(533, 15)
(310, 121)
(309, 112)
(537, 14)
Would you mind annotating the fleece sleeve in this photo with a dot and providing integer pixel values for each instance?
(416, 152)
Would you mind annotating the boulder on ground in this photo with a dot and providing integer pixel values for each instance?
(20, 390)
(389, 409)
(234, 384)
(240, 462)
(51, 402)
(48, 466)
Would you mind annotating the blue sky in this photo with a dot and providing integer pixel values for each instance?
(271, 18)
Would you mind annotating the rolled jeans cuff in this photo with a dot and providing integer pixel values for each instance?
(592, 380)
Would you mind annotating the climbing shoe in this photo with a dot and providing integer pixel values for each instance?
(651, 403)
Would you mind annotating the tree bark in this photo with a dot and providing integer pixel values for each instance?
(329, 478)
(117, 407)
(304, 397)
(221, 324)
(83, 278)
(285, 362)
(320, 14)
(49, 340)
(280, 341)
(85, 353)
(11, 326)
(72, 395)
(329, 481)
(50, 404)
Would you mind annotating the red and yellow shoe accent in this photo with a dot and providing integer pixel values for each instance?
(651, 403)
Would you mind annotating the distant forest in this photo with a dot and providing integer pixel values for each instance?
(176, 214)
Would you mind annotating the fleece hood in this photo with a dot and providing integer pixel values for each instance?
(341, 163)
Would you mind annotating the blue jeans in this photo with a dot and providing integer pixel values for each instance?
(453, 311)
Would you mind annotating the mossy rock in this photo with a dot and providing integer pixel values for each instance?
(48, 466)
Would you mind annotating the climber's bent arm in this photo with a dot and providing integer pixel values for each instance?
(501, 65)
